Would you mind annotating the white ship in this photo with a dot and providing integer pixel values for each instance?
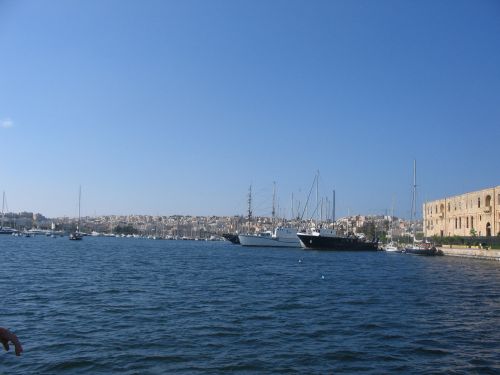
(282, 237)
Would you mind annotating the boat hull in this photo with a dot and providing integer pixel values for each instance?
(233, 238)
(75, 237)
(336, 243)
(426, 252)
(261, 241)
(6, 230)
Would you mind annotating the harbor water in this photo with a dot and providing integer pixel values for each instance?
(136, 306)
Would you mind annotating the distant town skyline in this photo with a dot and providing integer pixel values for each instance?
(177, 107)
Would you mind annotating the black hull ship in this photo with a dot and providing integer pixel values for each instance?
(426, 251)
(329, 240)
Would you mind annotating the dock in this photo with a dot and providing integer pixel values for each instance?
(466, 252)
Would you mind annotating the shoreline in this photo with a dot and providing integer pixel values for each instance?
(471, 253)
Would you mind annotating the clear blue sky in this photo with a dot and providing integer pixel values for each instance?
(176, 107)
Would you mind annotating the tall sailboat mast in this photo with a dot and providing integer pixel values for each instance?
(333, 207)
(249, 207)
(317, 197)
(79, 205)
(414, 200)
(273, 213)
(3, 209)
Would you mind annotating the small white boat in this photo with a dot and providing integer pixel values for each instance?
(391, 247)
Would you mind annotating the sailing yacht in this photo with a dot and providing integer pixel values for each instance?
(391, 246)
(280, 237)
(5, 230)
(77, 236)
(417, 248)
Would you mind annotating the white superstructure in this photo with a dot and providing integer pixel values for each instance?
(282, 237)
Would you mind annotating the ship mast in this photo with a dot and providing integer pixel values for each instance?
(249, 207)
(79, 200)
(413, 218)
(273, 213)
(3, 208)
(333, 208)
(317, 197)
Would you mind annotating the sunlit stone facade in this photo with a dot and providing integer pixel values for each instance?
(476, 213)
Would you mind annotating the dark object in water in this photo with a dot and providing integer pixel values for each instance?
(233, 238)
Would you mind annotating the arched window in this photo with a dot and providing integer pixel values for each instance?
(479, 202)
(487, 202)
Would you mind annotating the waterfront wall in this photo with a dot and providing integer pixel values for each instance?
(471, 253)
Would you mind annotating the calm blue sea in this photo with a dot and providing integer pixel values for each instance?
(134, 306)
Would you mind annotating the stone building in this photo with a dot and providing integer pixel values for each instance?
(475, 213)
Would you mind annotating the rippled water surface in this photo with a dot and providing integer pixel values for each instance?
(130, 306)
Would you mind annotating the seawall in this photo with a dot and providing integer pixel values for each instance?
(471, 253)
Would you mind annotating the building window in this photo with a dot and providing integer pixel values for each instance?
(467, 222)
(456, 223)
(498, 198)
(472, 222)
(449, 202)
(478, 202)
(460, 223)
(487, 202)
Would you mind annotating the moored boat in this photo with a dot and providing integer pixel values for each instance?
(282, 237)
(328, 239)
(77, 236)
(422, 250)
(418, 248)
(391, 247)
(5, 230)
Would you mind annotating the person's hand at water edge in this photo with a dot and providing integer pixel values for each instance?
(6, 336)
